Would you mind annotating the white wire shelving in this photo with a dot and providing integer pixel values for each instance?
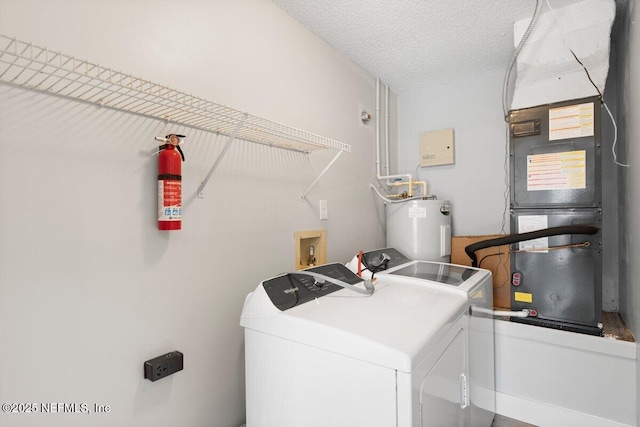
(27, 65)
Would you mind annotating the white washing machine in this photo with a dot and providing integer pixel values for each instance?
(320, 355)
(476, 286)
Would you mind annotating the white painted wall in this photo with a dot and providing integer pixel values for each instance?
(475, 183)
(628, 46)
(89, 289)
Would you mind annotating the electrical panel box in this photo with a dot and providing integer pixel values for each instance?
(437, 148)
(556, 155)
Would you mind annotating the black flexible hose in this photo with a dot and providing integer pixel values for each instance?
(521, 237)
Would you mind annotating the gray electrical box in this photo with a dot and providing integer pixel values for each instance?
(556, 180)
(564, 284)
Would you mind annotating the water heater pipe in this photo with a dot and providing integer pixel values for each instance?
(410, 182)
(386, 148)
(378, 175)
(386, 129)
(422, 184)
(386, 199)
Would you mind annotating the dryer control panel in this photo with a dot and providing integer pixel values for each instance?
(383, 259)
(293, 289)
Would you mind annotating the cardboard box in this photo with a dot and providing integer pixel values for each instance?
(495, 259)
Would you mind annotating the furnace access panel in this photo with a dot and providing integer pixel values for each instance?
(556, 154)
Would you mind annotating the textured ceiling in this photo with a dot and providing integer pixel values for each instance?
(413, 44)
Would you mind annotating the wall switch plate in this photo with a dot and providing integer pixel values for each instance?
(437, 148)
(324, 211)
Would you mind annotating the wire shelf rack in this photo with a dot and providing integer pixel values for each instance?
(27, 65)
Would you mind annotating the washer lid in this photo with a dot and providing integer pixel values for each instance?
(395, 327)
(448, 274)
(431, 274)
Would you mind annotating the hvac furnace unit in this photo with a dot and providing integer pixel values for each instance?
(420, 228)
(556, 181)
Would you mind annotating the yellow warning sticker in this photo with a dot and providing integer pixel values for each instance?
(523, 297)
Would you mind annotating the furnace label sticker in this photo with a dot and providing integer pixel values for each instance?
(557, 171)
(527, 223)
(573, 121)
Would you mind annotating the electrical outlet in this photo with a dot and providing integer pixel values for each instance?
(163, 366)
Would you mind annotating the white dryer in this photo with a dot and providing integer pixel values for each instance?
(319, 355)
(476, 285)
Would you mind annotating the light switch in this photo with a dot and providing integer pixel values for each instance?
(324, 211)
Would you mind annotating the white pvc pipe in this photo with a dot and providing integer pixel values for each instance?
(409, 178)
(501, 313)
(386, 129)
(523, 313)
(378, 175)
(378, 127)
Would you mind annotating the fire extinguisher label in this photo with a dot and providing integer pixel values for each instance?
(169, 200)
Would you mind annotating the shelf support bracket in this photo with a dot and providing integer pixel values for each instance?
(304, 195)
(232, 137)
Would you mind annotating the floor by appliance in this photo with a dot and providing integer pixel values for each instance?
(320, 355)
(391, 266)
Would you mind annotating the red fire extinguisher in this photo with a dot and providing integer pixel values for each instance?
(170, 158)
